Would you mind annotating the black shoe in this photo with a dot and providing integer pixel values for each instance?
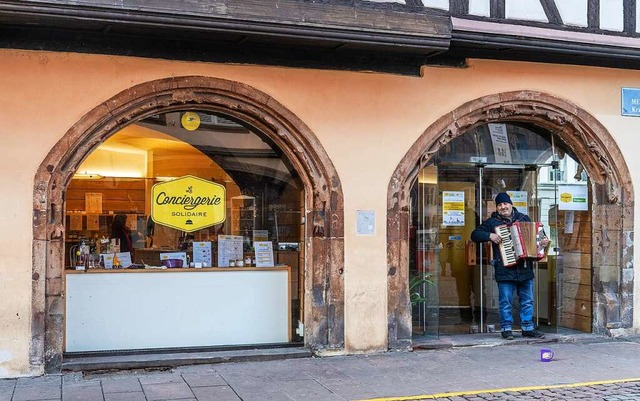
(532, 334)
(507, 335)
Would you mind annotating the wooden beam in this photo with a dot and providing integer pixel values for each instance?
(497, 9)
(551, 10)
(593, 13)
(630, 16)
(459, 7)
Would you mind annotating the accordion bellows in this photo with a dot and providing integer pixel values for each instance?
(520, 240)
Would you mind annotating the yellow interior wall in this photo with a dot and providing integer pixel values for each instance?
(366, 123)
(114, 163)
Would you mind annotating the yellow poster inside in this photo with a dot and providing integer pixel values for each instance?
(188, 203)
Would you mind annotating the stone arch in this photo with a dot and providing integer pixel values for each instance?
(324, 304)
(612, 200)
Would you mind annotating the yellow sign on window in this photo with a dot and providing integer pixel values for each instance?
(188, 203)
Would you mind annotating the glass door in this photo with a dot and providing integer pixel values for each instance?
(461, 295)
(520, 182)
(458, 286)
(424, 255)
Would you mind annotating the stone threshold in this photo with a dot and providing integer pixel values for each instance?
(168, 360)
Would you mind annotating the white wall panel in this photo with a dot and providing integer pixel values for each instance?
(525, 10)
(116, 311)
(573, 12)
(443, 4)
(388, 1)
(479, 7)
(611, 15)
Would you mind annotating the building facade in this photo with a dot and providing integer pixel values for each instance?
(361, 140)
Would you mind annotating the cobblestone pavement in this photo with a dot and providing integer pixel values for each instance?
(625, 391)
(603, 370)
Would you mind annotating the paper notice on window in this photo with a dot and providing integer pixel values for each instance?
(93, 222)
(568, 222)
(500, 141)
(229, 248)
(453, 208)
(519, 199)
(202, 253)
(75, 222)
(93, 202)
(264, 253)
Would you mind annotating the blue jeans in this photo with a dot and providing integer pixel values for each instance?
(506, 291)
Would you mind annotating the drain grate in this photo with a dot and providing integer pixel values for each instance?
(623, 397)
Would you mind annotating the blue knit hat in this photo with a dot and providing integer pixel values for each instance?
(503, 197)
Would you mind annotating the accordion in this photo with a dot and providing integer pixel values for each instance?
(520, 240)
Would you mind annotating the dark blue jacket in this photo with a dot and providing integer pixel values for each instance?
(521, 271)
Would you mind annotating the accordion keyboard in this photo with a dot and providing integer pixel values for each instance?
(507, 247)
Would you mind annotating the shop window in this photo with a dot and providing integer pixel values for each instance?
(112, 201)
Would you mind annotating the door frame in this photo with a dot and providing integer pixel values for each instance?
(612, 201)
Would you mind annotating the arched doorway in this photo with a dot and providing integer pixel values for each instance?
(323, 313)
(610, 186)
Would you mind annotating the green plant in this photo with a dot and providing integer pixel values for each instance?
(415, 283)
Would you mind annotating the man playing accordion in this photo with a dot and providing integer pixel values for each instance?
(517, 278)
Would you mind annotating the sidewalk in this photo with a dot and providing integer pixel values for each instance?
(496, 365)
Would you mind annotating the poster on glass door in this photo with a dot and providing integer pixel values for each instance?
(453, 208)
(573, 197)
(519, 200)
(500, 141)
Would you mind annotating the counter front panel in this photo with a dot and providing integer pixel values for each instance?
(191, 308)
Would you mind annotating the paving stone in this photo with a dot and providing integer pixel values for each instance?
(308, 390)
(160, 378)
(121, 385)
(37, 392)
(215, 393)
(262, 394)
(6, 389)
(204, 380)
(50, 380)
(82, 392)
(350, 389)
(167, 391)
(129, 396)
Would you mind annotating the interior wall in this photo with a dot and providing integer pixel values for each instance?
(365, 121)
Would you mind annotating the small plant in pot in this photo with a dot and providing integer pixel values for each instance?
(415, 284)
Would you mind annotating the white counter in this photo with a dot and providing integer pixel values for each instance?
(138, 309)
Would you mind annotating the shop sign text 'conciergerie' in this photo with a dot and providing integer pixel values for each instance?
(188, 203)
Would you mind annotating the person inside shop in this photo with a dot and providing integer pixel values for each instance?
(120, 230)
(516, 279)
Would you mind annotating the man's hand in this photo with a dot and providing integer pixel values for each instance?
(495, 238)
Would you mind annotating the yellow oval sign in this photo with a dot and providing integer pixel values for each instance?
(565, 197)
(188, 203)
(190, 121)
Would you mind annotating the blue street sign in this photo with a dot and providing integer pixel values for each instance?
(631, 102)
